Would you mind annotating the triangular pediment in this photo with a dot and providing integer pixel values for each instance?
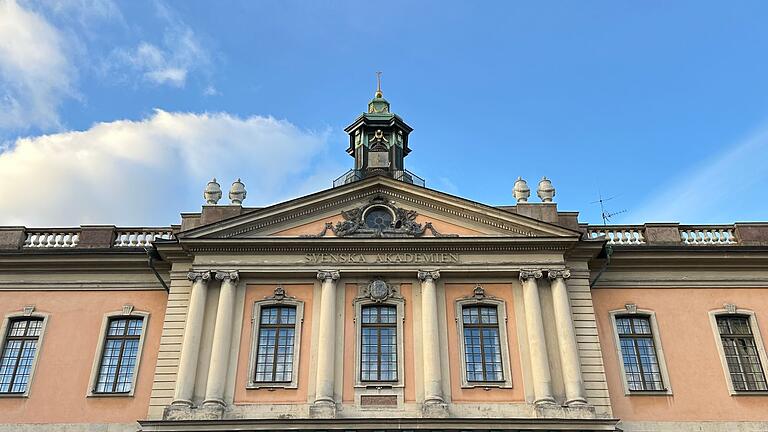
(378, 207)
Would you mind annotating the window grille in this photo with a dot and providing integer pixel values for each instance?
(274, 355)
(638, 352)
(18, 354)
(378, 360)
(482, 346)
(119, 357)
(741, 353)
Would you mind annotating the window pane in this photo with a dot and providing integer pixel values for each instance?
(378, 343)
(482, 345)
(19, 349)
(741, 353)
(274, 352)
(119, 357)
(638, 353)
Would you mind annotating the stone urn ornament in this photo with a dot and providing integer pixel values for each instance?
(212, 192)
(237, 192)
(521, 191)
(545, 190)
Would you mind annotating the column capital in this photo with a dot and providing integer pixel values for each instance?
(232, 275)
(328, 274)
(432, 274)
(530, 273)
(560, 273)
(195, 276)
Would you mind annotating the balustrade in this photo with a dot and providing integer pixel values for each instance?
(52, 238)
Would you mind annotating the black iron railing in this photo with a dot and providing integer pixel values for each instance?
(355, 175)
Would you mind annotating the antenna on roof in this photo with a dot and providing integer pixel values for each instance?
(605, 214)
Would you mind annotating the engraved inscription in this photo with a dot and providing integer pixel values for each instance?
(383, 258)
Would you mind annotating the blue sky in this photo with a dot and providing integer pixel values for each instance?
(120, 112)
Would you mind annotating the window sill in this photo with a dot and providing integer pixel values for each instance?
(749, 393)
(486, 386)
(379, 386)
(109, 395)
(271, 386)
(648, 393)
(14, 395)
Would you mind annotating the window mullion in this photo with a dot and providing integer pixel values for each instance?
(16, 365)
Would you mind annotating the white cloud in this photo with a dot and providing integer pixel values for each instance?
(179, 54)
(146, 172)
(35, 72)
(733, 182)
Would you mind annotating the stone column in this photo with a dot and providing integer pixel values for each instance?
(566, 336)
(326, 347)
(222, 338)
(534, 324)
(433, 378)
(190, 348)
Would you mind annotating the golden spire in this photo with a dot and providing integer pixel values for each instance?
(379, 94)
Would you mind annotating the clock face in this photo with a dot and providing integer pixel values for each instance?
(378, 219)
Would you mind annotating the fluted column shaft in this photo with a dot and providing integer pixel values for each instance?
(326, 348)
(190, 348)
(566, 336)
(433, 378)
(222, 339)
(534, 324)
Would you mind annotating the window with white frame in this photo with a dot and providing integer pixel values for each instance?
(19, 351)
(118, 353)
(482, 329)
(741, 352)
(638, 344)
(276, 342)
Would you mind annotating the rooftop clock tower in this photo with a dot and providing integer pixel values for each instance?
(378, 140)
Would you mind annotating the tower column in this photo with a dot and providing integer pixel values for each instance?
(433, 378)
(566, 336)
(534, 324)
(326, 347)
(190, 348)
(222, 338)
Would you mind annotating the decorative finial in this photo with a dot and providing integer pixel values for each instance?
(379, 93)
(237, 192)
(545, 190)
(212, 192)
(521, 191)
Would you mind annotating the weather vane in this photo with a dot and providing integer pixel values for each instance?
(378, 84)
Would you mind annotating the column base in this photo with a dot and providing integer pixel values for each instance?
(435, 408)
(182, 403)
(576, 403)
(323, 408)
(214, 402)
(547, 401)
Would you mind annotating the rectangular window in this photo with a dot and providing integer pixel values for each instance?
(482, 347)
(741, 353)
(118, 359)
(638, 352)
(19, 353)
(378, 336)
(274, 356)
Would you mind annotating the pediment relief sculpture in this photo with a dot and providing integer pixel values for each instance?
(379, 217)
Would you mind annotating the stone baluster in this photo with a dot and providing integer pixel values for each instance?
(566, 336)
(534, 324)
(326, 349)
(222, 339)
(190, 348)
(433, 378)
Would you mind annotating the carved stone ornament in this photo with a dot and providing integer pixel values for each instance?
(379, 217)
(631, 308)
(730, 308)
(212, 192)
(29, 310)
(377, 291)
(528, 274)
(545, 191)
(278, 295)
(127, 309)
(237, 192)
(478, 293)
(554, 274)
(424, 275)
(194, 276)
(520, 190)
(328, 274)
(233, 275)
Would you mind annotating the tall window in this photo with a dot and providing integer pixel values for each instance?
(482, 347)
(638, 352)
(19, 353)
(119, 357)
(378, 335)
(274, 356)
(741, 353)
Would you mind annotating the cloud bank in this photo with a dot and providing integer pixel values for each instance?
(145, 172)
(35, 71)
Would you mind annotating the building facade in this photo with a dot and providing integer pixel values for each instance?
(380, 304)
